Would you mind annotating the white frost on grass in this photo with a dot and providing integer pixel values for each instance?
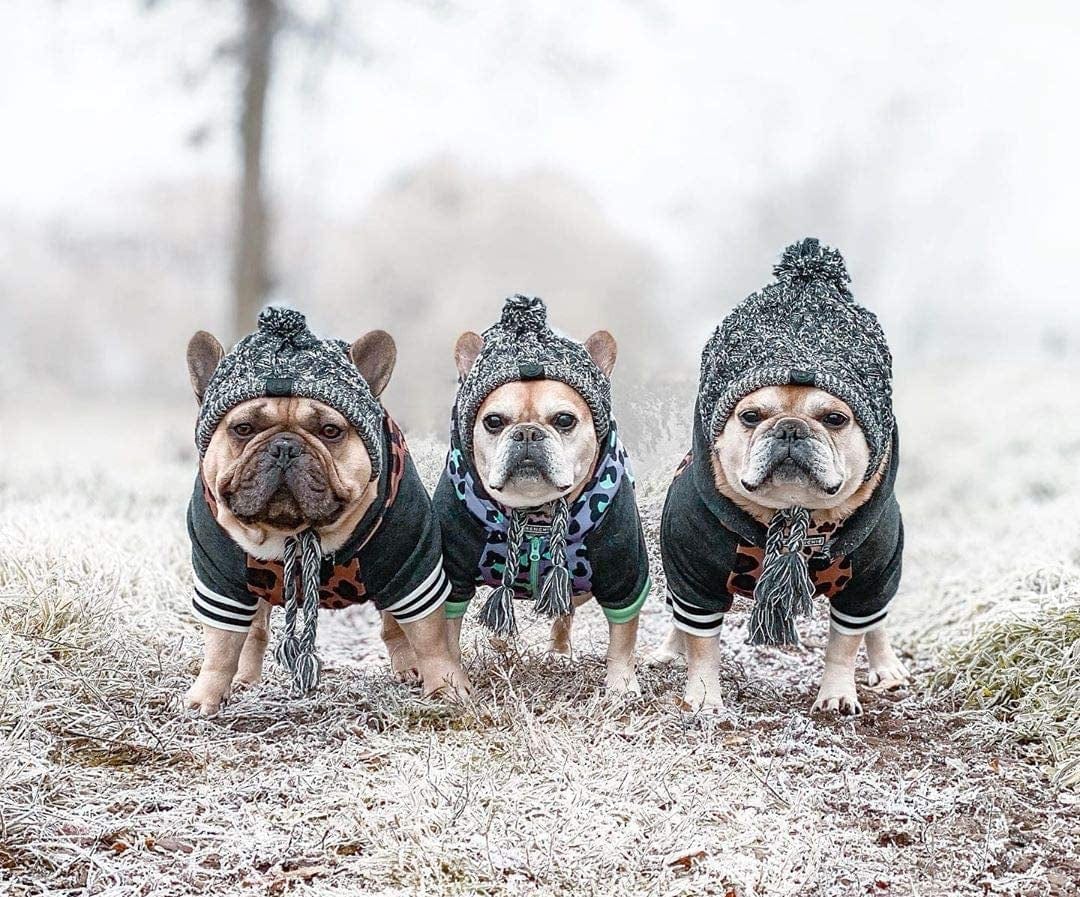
(542, 785)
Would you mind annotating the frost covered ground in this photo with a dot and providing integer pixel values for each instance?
(542, 785)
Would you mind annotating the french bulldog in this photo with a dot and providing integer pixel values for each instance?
(528, 449)
(281, 464)
(798, 446)
(788, 492)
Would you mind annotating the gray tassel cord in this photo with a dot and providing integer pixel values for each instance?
(554, 599)
(297, 652)
(784, 590)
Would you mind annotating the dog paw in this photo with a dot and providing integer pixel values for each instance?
(403, 663)
(702, 698)
(447, 681)
(664, 656)
(209, 694)
(622, 683)
(888, 676)
(560, 649)
(839, 700)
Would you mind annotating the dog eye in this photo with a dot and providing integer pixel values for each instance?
(331, 432)
(834, 419)
(564, 421)
(243, 431)
(493, 423)
(750, 418)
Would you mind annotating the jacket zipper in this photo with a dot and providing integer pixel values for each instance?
(534, 566)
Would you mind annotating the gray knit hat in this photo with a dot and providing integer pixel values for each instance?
(803, 329)
(521, 346)
(284, 358)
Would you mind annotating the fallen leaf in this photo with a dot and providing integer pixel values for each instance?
(686, 861)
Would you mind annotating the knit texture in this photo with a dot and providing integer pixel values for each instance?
(804, 328)
(521, 346)
(284, 358)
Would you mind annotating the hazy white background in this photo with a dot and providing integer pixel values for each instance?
(639, 164)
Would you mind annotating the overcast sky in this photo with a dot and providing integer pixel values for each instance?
(936, 141)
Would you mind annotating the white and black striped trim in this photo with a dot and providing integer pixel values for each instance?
(425, 599)
(691, 619)
(220, 612)
(846, 624)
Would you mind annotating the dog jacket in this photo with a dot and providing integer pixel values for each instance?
(604, 544)
(713, 550)
(393, 558)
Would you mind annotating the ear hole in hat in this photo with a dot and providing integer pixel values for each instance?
(469, 345)
(375, 355)
(204, 354)
(602, 349)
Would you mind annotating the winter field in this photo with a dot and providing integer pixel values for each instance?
(966, 784)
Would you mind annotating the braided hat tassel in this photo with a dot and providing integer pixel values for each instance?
(497, 614)
(554, 599)
(297, 653)
(784, 590)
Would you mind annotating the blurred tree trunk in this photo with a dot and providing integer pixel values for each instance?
(251, 273)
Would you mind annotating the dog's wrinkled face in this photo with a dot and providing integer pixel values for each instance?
(787, 446)
(276, 466)
(534, 441)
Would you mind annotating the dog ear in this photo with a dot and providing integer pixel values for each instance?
(469, 345)
(204, 353)
(375, 355)
(602, 350)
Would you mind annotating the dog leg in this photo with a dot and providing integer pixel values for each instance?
(702, 672)
(886, 670)
(672, 651)
(221, 656)
(402, 656)
(249, 672)
(621, 673)
(837, 692)
(439, 672)
(453, 638)
(559, 642)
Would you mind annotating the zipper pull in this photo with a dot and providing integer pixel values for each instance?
(534, 553)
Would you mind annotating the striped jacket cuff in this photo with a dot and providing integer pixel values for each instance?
(691, 619)
(220, 612)
(846, 624)
(425, 599)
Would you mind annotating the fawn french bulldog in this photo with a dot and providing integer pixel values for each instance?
(537, 499)
(307, 496)
(787, 493)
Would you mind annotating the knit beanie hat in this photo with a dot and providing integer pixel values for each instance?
(804, 329)
(521, 346)
(284, 358)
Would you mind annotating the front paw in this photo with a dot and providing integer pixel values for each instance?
(888, 676)
(702, 696)
(839, 698)
(446, 680)
(403, 662)
(210, 692)
(621, 681)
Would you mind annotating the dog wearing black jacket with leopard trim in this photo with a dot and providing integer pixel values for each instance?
(306, 497)
(537, 498)
(787, 493)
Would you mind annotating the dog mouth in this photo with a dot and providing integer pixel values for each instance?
(790, 468)
(286, 500)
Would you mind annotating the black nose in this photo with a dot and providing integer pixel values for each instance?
(528, 433)
(285, 449)
(790, 428)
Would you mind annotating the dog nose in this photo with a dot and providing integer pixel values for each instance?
(790, 428)
(528, 433)
(285, 449)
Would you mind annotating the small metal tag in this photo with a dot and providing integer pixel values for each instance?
(279, 386)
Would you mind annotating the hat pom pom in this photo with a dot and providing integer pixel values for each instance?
(808, 261)
(524, 314)
(283, 322)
